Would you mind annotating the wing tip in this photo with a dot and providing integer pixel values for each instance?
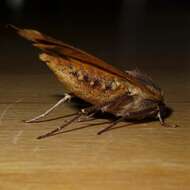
(32, 35)
(11, 26)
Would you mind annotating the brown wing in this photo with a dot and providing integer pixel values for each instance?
(50, 45)
(53, 46)
(145, 80)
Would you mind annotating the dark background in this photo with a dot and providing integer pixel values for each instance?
(126, 33)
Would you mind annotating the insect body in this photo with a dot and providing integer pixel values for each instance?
(127, 95)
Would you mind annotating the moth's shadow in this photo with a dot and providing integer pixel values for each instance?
(110, 119)
(168, 112)
(78, 104)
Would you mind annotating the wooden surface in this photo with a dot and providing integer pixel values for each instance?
(142, 156)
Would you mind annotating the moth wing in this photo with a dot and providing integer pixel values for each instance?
(146, 81)
(143, 78)
(58, 48)
(53, 46)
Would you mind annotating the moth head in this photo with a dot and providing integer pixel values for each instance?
(163, 109)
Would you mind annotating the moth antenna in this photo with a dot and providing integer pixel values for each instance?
(12, 27)
(111, 125)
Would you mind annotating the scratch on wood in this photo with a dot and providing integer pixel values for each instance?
(17, 136)
(7, 108)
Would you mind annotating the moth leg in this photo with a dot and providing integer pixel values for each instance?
(164, 123)
(89, 116)
(83, 112)
(63, 100)
(111, 125)
(53, 132)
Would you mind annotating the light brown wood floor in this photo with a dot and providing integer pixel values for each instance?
(142, 156)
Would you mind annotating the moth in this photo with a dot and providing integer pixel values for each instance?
(128, 95)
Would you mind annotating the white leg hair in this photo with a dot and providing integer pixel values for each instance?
(64, 99)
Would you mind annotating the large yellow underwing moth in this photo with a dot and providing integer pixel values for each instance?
(127, 95)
